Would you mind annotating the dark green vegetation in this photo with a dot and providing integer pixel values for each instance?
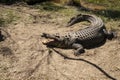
(112, 7)
(15, 1)
(8, 1)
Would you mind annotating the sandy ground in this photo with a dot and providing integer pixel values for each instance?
(24, 57)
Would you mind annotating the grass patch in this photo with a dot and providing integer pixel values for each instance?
(110, 4)
(49, 6)
(66, 12)
(111, 11)
(7, 17)
(112, 8)
(2, 22)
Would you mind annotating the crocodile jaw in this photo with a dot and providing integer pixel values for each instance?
(53, 43)
(50, 42)
(46, 41)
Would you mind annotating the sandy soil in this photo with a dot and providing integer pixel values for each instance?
(24, 57)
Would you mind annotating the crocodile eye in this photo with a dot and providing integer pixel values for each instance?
(66, 36)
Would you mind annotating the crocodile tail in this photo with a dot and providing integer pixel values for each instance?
(94, 20)
(75, 20)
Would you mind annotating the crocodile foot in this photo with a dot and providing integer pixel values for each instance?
(79, 52)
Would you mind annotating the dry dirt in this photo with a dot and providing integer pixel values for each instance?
(24, 57)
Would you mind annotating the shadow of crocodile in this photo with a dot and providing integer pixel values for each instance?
(88, 62)
(53, 44)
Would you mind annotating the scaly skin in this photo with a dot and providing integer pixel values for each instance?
(94, 35)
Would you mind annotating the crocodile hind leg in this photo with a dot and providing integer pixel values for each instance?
(110, 34)
(79, 49)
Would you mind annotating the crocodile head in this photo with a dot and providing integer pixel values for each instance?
(53, 40)
(53, 43)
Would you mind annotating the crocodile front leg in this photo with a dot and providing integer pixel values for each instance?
(79, 49)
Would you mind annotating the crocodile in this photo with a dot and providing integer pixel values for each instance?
(92, 36)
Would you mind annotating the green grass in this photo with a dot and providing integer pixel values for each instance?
(2, 22)
(49, 6)
(109, 4)
(112, 10)
(7, 17)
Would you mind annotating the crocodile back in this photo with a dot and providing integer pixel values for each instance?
(91, 31)
(92, 34)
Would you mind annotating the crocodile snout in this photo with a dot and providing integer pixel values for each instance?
(45, 41)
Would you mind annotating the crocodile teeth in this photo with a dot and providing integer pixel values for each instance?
(45, 41)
